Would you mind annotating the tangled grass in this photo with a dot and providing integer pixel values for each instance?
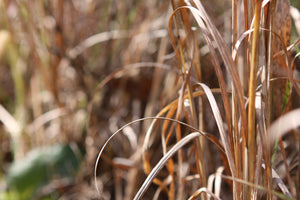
(168, 99)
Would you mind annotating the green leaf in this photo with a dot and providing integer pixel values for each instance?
(39, 167)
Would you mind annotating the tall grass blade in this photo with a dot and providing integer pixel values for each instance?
(252, 90)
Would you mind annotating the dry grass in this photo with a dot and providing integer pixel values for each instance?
(167, 99)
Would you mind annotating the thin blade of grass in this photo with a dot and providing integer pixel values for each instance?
(163, 161)
(203, 190)
(208, 136)
(192, 119)
(229, 65)
(280, 183)
(251, 142)
(263, 146)
(219, 121)
(259, 187)
(215, 61)
(218, 181)
(109, 35)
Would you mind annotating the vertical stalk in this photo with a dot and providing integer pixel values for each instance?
(200, 142)
(246, 19)
(234, 39)
(252, 88)
(269, 61)
(245, 82)
(235, 132)
(268, 88)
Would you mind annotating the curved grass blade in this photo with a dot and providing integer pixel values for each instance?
(163, 161)
(200, 20)
(208, 136)
(228, 61)
(259, 187)
(201, 190)
(219, 121)
(280, 183)
(284, 124)
(109, 35)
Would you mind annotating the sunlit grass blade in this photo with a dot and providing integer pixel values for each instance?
(219, 121)
(163, 161)
(251, 142)
(203, 190)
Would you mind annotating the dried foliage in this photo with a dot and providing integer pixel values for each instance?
(165, 99)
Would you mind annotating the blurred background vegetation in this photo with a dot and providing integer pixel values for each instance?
(74, 72)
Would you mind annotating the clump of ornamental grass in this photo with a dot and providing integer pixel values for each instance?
(206, 105)
(234, 141)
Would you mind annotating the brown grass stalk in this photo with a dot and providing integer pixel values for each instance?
(252, 146)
